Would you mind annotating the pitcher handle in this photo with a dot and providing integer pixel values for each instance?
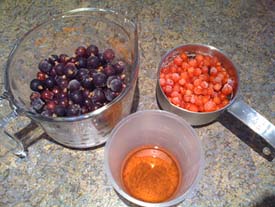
(256, 122)
(18, 145)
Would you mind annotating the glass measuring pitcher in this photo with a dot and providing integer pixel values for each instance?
(62, 34)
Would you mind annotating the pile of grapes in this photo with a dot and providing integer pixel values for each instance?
(70, 86)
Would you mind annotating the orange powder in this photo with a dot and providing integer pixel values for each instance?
(151, 174)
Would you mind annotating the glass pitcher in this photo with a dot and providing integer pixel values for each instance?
(62, 34)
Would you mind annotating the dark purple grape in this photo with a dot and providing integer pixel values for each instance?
(45, 66)
(109, 79)
(63, 102)
(101, 59)
(99, 79)
(52, 72)
(109, 55)
(74, 85)
(49, 82)
(37, 104)
(70, 70)
(80, 51)
(93, 62)
(87, 82)
(81, 62)
(92, 72)
(73, 110)
(109, 70)
(59, 69)
(92, 49)
(63, 58)
(72, 60)
(82, 73)
(47, 95)
(89, 104)
(76, 97)
(53, 58)
(47, 113)
(60, 110)
(86, 93)
(116, 85)
(37, 85)
(98, 95)
(61, 95)
(109, 94)
(119, 67)
(51, 62)
(61, 82)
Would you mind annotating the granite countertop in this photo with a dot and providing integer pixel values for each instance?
(235, 174)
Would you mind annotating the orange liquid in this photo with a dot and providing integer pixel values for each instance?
(151, 174)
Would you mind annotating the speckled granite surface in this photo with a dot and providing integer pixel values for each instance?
(235, 175)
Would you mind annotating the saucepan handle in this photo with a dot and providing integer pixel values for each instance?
(11, 141)
(255, 122)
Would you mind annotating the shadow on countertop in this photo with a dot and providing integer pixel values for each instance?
(268, 201)
(248, 136)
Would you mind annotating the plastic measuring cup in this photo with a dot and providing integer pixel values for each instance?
(158, 128)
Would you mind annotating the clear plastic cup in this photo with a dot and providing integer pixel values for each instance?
(158, 128)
